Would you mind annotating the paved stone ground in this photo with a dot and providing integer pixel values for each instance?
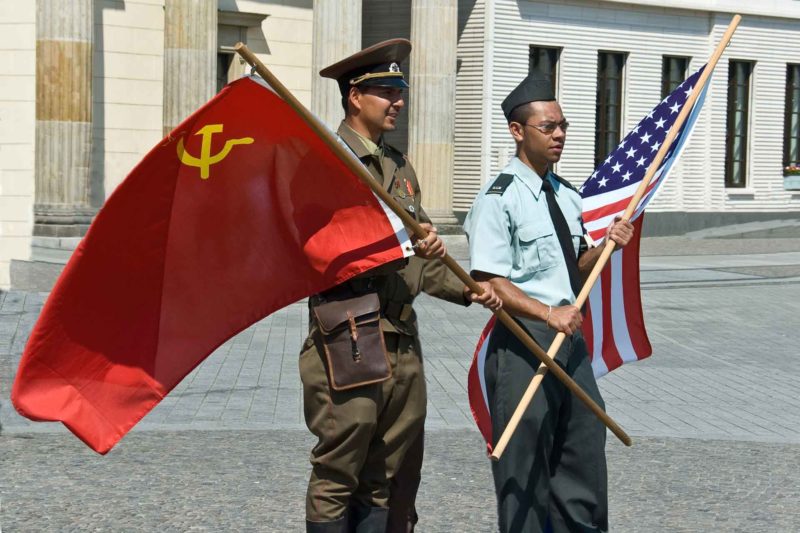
(715, 416)
(255, 481)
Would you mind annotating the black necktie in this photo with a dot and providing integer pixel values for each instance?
(564, 235)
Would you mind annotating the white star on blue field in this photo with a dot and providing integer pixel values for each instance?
(628, 163)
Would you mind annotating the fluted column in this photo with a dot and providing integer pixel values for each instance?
(190, 57)
(63, 154)
(337, 34)
(434, 27)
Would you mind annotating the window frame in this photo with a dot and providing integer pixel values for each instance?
(666, 86)
(729, 117)
(792, 83)
(600, 148)
(556, 62)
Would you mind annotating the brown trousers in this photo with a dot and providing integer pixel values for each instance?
(402, 511)
(363, 433)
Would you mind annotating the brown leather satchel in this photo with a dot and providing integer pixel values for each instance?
(353, 340)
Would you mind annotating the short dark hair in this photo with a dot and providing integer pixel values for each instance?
(521, 113)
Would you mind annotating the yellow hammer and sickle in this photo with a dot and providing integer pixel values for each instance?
(206, 159)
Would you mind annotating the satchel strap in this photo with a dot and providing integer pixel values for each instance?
(398, 310)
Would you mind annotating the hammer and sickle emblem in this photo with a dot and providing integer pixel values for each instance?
(205, 160)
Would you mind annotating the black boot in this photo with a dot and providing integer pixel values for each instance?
(368, 519)
(336, 526)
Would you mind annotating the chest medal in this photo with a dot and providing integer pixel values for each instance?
(398, 190)
(409, 188)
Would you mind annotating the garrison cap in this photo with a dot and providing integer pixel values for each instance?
(376, 66)
(536, 87)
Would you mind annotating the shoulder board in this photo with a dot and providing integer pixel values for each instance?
(500, 184)
(389, 148)
(565, 182)
(397, 156)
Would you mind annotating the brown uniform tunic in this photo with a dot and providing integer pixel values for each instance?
(364, 433)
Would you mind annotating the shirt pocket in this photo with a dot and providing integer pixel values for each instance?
(537, 248)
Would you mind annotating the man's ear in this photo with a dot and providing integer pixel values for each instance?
(354, 97)
(516, 130)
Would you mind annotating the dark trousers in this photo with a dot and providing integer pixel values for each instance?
(554, 465)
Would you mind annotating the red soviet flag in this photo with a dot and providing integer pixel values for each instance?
(240, 211)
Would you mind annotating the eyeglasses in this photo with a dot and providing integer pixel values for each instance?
(548, 128)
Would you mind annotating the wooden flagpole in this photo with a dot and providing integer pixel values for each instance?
(609, 246)
(420, 232)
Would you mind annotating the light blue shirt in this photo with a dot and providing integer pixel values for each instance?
(511, 234)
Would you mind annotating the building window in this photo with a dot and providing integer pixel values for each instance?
(791, 135)
(546, 60)
(673, 72)
(610, 67)
(225, 60)
(233, 27)
(736, 132)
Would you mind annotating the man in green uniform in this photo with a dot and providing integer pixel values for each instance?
(364, 431)
(526, 237)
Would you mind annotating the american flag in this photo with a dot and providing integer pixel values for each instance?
(613, 323)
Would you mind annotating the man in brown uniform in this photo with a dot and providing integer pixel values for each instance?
(365, 431)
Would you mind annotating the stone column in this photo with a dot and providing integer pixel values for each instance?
(434, 27)
(190, 57)
(337, 34)
(63, 154)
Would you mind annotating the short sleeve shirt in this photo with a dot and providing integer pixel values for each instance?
(511, 234)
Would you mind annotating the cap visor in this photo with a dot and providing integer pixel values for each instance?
(400, 83)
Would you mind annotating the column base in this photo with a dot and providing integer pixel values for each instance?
(61, 220)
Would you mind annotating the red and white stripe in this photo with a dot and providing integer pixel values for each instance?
(476, 386)
(613, 324)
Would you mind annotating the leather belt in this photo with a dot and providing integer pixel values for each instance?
(348, 289)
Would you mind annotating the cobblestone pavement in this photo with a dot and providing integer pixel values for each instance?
(255, 481)
(715, 416)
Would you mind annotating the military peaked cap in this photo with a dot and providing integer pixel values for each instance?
(378, 65)
(536, 87)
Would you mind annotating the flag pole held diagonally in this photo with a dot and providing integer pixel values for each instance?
(420, 232)
(609, 245)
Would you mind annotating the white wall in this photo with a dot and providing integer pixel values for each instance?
(646, 33)
(470, 103)
(128, 86)
(17, 131)
(771, 43)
